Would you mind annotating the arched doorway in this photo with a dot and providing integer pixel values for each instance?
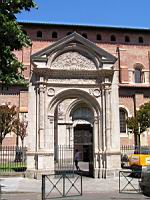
(82, 118)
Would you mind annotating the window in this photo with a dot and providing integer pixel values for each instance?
(84, 35)
(127, 39)
(138, 75)
(123, 117)
(99, 37)
(113, 38)
(54, 34)
(69, 33)
(141, 40)
(39, 34)
(82, 113)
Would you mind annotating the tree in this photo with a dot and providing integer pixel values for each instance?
(21, 129)
(12, 38)
(140, 122)
(8, 115)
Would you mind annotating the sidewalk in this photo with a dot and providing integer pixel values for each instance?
(93, 189)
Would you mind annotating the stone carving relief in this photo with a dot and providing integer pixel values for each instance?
(73, 81)
(95, 92)
(50, 92)
(73, 61)
(61, 109)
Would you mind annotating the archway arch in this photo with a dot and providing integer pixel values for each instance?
(75, 127)
(76, 93)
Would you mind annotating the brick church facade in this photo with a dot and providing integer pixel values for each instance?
(103, 72)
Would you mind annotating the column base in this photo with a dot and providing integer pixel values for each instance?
(40, 161)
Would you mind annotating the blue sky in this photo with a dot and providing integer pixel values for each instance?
(119, 13)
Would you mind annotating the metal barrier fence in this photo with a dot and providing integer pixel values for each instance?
(129, 181)
(61, 185)
(12, 158)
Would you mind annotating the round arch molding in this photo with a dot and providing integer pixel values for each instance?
(74, 93)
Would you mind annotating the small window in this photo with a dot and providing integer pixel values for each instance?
(138, 75)
(123, 117)
(99, 37)
(113, 38)
(127, 39)
(54, 34)
(141, 40)
(69, 33)
(39, 34)
(84, 35)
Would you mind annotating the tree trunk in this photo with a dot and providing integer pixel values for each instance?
(137, 141)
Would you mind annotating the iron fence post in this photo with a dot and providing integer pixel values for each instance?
(119, 181)
(81, 183)
(64, 185)
(43, 187)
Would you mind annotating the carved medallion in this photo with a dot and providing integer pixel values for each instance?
(50, 92)
(96, 93)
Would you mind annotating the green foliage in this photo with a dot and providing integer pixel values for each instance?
(143, 116)
(8, 115)
(132, 123)
(141, 121)
(12, 38)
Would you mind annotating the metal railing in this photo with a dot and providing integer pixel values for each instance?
(12, 158)
(127, 150)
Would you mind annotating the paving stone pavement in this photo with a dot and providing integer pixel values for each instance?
(93, 189)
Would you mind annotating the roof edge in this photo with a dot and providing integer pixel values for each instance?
(147, 29)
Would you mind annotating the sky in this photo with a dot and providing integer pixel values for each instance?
(115, 13)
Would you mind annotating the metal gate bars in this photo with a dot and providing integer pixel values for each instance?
(61, 185)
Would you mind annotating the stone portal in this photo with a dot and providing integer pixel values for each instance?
(73, 101)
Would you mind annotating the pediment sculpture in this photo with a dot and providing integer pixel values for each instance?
(72, 61)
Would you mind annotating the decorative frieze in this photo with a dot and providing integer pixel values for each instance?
(73, 81)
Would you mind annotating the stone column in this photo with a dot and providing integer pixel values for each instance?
(69, 135)
(108, 117)
(51, 132)
(103, 118)
(41, 116)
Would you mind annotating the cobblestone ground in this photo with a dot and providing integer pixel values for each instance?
(97, 196)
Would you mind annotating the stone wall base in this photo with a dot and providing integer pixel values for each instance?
(106, 173)
(37, 174)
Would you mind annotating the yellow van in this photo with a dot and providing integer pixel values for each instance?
(139, 159)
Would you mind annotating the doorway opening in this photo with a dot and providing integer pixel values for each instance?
(83, 141)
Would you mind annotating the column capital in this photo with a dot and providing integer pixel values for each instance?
(42, 88)
(50, 118)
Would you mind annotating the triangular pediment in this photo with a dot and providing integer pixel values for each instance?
(74, 45)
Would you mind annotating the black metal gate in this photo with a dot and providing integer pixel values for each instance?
(64, 159)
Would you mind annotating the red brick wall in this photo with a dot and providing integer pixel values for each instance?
(130, 53)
